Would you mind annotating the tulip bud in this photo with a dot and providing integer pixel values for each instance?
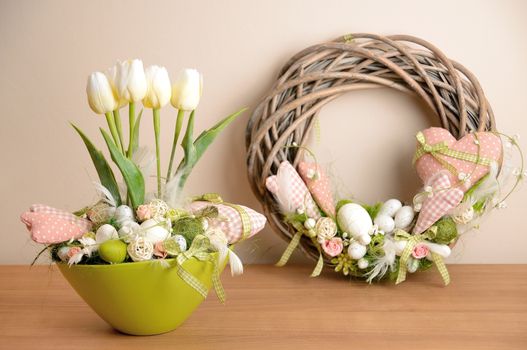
(128, 80)
(186, 90)
(158, 90)
(101, 97)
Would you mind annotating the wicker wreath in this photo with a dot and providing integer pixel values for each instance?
(280, 126)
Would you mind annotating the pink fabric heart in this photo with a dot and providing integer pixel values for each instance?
(291, 192)
(490, 147)
(233, 225)
(319, 186)
(49, 225)
(443, 198)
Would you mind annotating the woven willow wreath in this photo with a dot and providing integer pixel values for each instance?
(280, 127)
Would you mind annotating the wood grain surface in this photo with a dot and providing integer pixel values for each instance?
(485, 307)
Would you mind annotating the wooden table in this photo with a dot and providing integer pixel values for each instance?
(485, 307)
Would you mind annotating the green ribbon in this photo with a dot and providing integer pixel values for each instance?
(412, 241)
(293, 244)
(215, 198)
(200, 249)
(441, 149)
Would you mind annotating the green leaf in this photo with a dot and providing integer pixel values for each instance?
(207, 137)
(101, 165)
(131, 173)
(135, 140)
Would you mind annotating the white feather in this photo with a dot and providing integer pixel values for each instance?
(384, 263)
(236, 264)
(173, 194)
(104, 194)
(145, 160)
(489, 186)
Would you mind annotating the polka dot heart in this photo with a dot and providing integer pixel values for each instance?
(49, 225)
(489, 147)
(319, 185)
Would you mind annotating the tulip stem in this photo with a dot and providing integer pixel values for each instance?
(131, 120)
(155, 113)
(177, 131)
(117, 117)
(113, 129)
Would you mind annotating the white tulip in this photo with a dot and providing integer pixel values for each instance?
(187, 89)
(158, 90)
(101, 97)
(128, 80)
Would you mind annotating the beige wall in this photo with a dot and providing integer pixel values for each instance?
(47, 49)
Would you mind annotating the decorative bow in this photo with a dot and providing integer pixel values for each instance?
(200, 249)
(442, 149)
(411, 242)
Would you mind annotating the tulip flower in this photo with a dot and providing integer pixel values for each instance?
(158, 90)
(157, 95)
(101, 99)
(128, 80)
(186, 90)
(186, 93)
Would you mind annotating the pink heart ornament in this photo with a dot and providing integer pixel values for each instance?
(444, 198)
(490, 147)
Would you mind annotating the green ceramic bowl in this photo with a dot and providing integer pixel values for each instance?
(140, 298)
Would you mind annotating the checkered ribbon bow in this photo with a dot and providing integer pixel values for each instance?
(201, 250)
(441, 149)
(411, 242)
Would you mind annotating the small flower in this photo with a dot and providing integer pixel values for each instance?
(143, 212)
(300, 211)
(376, 231)
(343, 263)
(420, 251)
(159, 250)
(140, 249)
(465, 215)
(326, 228)
(501, 205)
(333, 247)
(75, 255)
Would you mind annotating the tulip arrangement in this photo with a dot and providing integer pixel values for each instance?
(128, 83)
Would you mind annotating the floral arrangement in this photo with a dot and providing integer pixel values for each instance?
(128, 224)
(463, 181)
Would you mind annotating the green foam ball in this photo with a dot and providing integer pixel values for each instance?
(446, 231)
(113, 251)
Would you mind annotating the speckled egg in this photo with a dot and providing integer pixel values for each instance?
(404, 217)
(354, 219)
(390, 207)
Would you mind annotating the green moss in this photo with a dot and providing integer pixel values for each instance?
(373, 210)
(341, 203)
(424, 264)
(446, 231)
(189, 228)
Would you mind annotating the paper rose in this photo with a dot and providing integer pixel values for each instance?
(420, 251)
(333, 247)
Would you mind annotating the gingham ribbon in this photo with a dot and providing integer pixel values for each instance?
(200, 249)
(412, 241)
(293, 244)
(215, 198)
(442, 148)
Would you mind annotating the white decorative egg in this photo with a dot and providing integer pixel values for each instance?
(154, 231)
(124, 213)
(106, 232)
(365, 239)
(354, 219)
(390, 207)
(412, 265)
(384, 223)
(356, 250)
(363, 263)
(404, 217)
